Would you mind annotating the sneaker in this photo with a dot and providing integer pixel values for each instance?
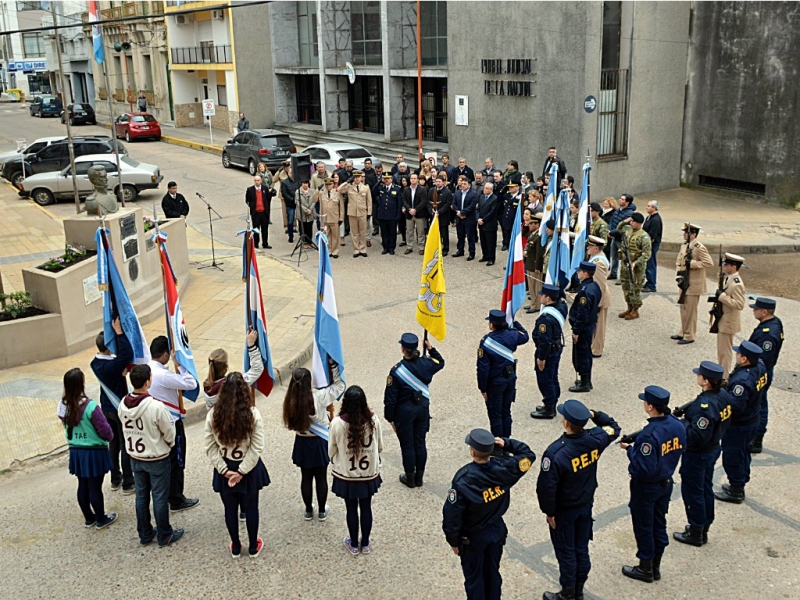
(235, 553)
(259, 546)
(147, 541)
(107, 520)
(324, 515)
(365, 549)
(354, 551)
(90, 523)
(309, 514)
(186, 505)
(115, 486)
(176, 535)
(242, 517)
(128, 491)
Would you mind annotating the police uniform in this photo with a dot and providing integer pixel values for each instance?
(548, 336)
(745, 385)
(565, 490)
(534, 260)
(768, 335)
(389, 210)
(330, 202)
(497, 370)
(732, 298)
(359, 209)
(640, 249)
(583, 320)
(509, 213)
(706, 420)
(602, 269)
(406, 404)
(699, 261)
(473, 512)
(653, 457)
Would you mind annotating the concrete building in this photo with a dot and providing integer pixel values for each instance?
(76, 54)
(24, 63)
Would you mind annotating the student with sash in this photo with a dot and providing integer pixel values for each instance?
(110, 371)
(308, 412)
(406, 404)
(88, 434)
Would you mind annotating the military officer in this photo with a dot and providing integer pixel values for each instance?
(389, 210)
(534, 261)
(406, 404)
(583, 320)
(548, 337)
(497, 370)
(473, 512)
(746, 386)
(640, 250)
(550, 227)
(359, 209)
(653, 456)
(330, 202)
(732, 298)
(508, 212)
(565, 490)
(598, 228)
(768, 335)
(594, 249)
(695, 256)
(706, 420)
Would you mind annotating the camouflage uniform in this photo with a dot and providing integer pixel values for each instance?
(599, 228)
(640, 250)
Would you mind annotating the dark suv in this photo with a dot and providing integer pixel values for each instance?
(79, 113)
(248, 148)
(56, 156)
(50, 106)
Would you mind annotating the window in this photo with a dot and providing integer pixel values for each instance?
(34, 148)
(272, 141)
(351, 153)
(239, 139)
(52, 151)
(118, 72)
(612, 113)
(366, 27)
(318, 153)
(109, 167)
(33, 44)
(81, 168)
(222, 95)
(29, 6)
(147, 67)
(307, 34)
(433, 17)
(143, 119)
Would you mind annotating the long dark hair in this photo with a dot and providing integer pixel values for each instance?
(233, 420)
(298, 406)
(359, 418)
(73, 396)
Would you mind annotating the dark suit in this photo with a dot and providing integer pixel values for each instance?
(444, 200)
(466, 203)
(457, 172)
(488, 207)
(260, 219)
(174, 208)
(562, 169)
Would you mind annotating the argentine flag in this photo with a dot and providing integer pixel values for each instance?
(327, 338)
(582, 224)
(514, 281)
(97, 34)
(559, 264)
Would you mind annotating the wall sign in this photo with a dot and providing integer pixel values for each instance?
(508, 87)
(590, 104)
(462, 110)
(27, 66)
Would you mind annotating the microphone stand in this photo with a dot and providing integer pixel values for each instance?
(214, 262)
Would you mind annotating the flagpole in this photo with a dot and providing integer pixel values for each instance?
(247, 260)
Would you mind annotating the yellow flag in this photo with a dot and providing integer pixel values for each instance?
(430, 303)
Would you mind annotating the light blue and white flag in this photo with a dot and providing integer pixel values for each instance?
(582, 223)
(327, 338)
(559, 264)
(550, 201)
(97, 34)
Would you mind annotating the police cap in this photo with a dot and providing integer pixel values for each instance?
(328, 180)
(596, 241)
(481, 440)
(409, 340)
(655, 395)
(575, 412)
(387, 175)
(537, 217)
(595, 206)
(587, 267)
(691, 228)
(709, 370)
(553, 291)
(358, 173)
(637, 217)
(765, 303)
(512, 184)
(733, 259)
(749, 349)
(496, 316)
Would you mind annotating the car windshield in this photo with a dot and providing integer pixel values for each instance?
(129, 161)
(143, 118)
(50, 101)
(275, 140)
(353, 153)
(35, 147)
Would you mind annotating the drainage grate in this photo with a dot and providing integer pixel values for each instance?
(748, 187)
(787, 381)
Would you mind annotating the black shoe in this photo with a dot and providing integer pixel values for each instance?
(356, 255)
(597, 356)
(408, 479)
(375, 231)
(611, 277)
(444, 252)
(504, 248)
(176, 535)
(544, 412)
(490, 263)
(471, 257)
(562, 595)
(418, 478)
(676, 337)
(186, 505)
(147, 541)
(579, 590)
(642, 572)
(730, 494)
(364, 254)
(482, 260)
(690, 535)
(105, 520)
(267, 247)
(458, 255)
(657, 567)
(384, 252)
(684, 341)
(757, 445)
(584, 385)
(391, 252)
(401, 244)
(648, 290)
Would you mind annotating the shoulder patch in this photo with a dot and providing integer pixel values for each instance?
(737, 280)
(524, 464)
(542, 327)
(451, 496)
(765, 329)
(546, 464)
(702, 423)
(388, 381)
(767, 346)
(583, 299)
(608, 429)
(738, 390)
(480, 352)
(646, 449)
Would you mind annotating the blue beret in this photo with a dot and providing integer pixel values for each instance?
(709, 370)
(749, 349)
(655, 395)
(575, 412)
(409, 340)
(551, 290)
(587, 266)
(765, 303)
(481, 440)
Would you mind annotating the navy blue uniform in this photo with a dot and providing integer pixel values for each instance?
(769, 337)
(653, 459)
(508, 213)
(746, 386)
(549, 339)
(409, 410)
(705, 420)
(389, 210)
(473, 516)
(497, 376)
(583, 319)
(565, 489)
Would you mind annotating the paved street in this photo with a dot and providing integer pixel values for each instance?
(754, 548)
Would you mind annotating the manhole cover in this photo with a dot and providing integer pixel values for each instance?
(787, 380)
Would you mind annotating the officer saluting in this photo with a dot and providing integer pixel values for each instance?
(549, 339)
(497, 370)
(565, 488)
(406, 404)
(654, 456)
(473, 512)
(769, 336)
(583, 319)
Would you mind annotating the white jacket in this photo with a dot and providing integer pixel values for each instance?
(147, 427)
(252, 375)
(247, 451)
(346, 465)
(323, 398)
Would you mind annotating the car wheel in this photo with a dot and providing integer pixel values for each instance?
(16, 179)
(71, 122)
(128, 136)
(226, 160)
(42, 197)
(62, 119)
(129, 192)
(93, 122)
(158, 139)
(251, 166)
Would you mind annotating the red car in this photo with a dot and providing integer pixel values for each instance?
(137, 125)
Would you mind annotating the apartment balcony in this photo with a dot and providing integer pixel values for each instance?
(202, 55)
(133, 9)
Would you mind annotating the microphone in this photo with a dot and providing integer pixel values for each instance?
(199, 195)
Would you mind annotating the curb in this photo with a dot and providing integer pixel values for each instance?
(193, 145)
(742, 249)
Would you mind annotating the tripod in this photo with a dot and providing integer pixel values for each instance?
(214, 262)
(302, 239)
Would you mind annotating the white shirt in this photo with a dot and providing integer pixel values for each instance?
(165, 386)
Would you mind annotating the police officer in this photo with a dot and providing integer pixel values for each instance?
(473, 512)
(594, 251)
(583, 319)
(406, 404)
(548, 337)
(694, 259)
(389, 210)
(497, 370)
(565, 489)
(768, 335)
(705, 420)
(508, 212)
(732, 298)
(653, 456)
(639, 249)
(745, 385)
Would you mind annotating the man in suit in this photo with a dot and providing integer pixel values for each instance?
(258, 197)
(440, 200)
(174, 204)
(465, 203)
(488, 205)
(489, 169)
(415, 201)
(462, 171)
(553, 157)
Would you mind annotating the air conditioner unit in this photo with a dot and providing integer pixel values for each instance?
(218, 15)
(183, 19)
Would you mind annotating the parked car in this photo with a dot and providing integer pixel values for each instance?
(47, 188)
(56, 156)
(331, 153)
(136, 126)
(248, 148)
(35, 146)
(79, 113)
(46, 105)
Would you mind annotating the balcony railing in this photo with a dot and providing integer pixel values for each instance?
(133, 9)
(201, 54)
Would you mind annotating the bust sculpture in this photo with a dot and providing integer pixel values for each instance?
(100, 199)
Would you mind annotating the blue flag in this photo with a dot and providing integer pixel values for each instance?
(582, 223)
(327, 337)
(558, 265)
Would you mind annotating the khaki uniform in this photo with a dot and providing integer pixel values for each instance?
(640, 250)
(733, 301)
(359, 207)
(701, 260)
(330, 203)
(601, 279)
(534, 258)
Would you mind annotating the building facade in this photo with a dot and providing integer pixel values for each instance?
(76, 55)
(24, 60)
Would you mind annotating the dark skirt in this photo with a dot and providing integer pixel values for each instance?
(310, 452)
(250, 484)
(350, 490)
(89, 462)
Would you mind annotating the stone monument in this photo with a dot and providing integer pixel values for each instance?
(100, 199)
